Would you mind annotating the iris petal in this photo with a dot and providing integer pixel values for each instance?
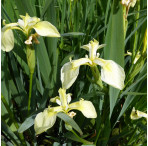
(7, 40)
(44, 121)
(68, 75)
(135, 114)
(111, 73)
(70, 71)
(44, 28)
(86, 107)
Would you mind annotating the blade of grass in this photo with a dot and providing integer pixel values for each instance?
(13, 119)
(114, 49)
(10, 134)
(133, 32)
(70, 121)
(25, 7)
(44, 63)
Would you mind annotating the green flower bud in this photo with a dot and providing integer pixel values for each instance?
(30, 53)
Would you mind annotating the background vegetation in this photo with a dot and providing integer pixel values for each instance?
(78, 21)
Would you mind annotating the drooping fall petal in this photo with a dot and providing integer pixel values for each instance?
(7, 40)
(70, 71)
(68, 75)
(44, 28)
(111, 73)
(86, 107)
(7, 37)
(44, 120)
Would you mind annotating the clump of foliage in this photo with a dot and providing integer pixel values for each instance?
(103, 101)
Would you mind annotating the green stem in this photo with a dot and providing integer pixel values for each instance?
(97, 76)
(136, 33)
(13, 119)
(81, 139)
(62, 22)
(131, 139)
(30, 54)
(98, 134)
(30, 91)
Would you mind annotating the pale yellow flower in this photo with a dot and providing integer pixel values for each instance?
(26, 24)
(46, 119)
(138, 55)
(129, 2)
(135, 114)
(111, 73)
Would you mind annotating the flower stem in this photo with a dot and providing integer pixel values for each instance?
(30, 53)
(13, 119)
(97, 76)
(98, 134)
(81, 139)
(30, 92)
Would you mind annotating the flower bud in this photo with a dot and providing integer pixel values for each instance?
(30, 53)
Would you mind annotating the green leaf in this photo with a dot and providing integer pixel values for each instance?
(19, 83)
(71, 136)
(43, 58)
(135, 93)
(25, 6)
(21, 58)
(66, 59)
(88, 145)
(70, 121)
(114, 41)
(56, 144)
(130, 98)
(27, 124)
(125, 132)
(46, 7)
(133, 84)
(136, 69)
(9, 133)
(3, 143)
(133, 32)
(51, 44)
(73, 34)
(104, 136)
(5, 89)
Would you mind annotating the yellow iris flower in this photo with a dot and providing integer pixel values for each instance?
(135, 114)
(26, 24)
(111, 73)
(46, 119)
(138, 55)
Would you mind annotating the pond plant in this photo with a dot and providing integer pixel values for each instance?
(74, 72)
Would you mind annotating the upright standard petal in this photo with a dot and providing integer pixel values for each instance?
(86, 107)
(86, 47)
(44, 121)
(44, 28)
(111, 73)
(7, 40)
(92, 47)
(68, 75)
(63, 98)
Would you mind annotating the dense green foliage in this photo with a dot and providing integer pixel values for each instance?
(78, 22)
